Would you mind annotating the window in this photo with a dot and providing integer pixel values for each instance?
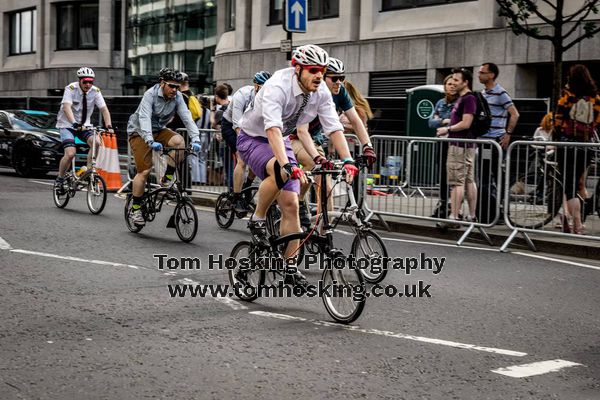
(77, 26)
(317, 9)
(23, 29)
(388, 5)
(229, 15)
(118, 8)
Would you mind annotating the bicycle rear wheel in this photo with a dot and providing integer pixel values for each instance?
(246, 254)
(369, 245)
(60, 200)
(127, 213)
(96, 194)
(186, 220)
(534, 203)
(224, 212)
(346, 299)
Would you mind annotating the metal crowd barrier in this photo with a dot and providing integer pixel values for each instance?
(538, 175)
(409, 182)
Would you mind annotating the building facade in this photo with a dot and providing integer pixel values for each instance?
(391, 45)
(46, 41)
(177, 33)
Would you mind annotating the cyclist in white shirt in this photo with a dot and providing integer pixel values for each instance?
(291, 97)
(76, 109)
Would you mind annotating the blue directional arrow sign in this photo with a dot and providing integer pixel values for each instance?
(295, 16)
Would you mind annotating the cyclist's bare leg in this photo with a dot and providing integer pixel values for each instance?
(290, 221)
(90, 143)
(139, 182)
(65, 162)
(178, 142)
(267, 191)
(238, 174)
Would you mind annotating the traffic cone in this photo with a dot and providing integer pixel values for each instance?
(107, 162)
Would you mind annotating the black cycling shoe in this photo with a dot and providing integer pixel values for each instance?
(240, 206)
(242, 276)
(59, 187)
(295, 279)
(258, 229)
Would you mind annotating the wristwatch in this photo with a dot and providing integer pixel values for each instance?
(368, 144)
(448, 129)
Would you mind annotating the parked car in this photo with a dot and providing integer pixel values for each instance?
(30, 142)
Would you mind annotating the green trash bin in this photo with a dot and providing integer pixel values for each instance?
(424, 157)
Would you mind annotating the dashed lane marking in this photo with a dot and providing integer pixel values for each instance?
(577, 264)
(536, 368)
(393, 334)
(79, 259)
(4, 245)
(234, 305)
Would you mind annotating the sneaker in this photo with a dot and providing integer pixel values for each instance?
(59, 187)
(165, 182)
(471, 219)
(241, 276)
(137, 218)
(258, 229)
(295, 279)
(441, 211)
(240, 206)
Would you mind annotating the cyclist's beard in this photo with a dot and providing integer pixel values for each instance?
(306, 83)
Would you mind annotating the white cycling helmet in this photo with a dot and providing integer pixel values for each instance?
(310, 55)
(85, 72)
(335, 66)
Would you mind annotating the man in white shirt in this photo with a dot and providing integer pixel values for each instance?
(76, 109)
(291, 97)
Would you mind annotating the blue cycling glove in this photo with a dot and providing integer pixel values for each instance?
(196, 147)
(156, 146)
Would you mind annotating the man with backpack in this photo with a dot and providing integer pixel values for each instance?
(461, 155)
(504, 117)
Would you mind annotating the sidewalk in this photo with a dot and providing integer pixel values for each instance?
(566, 246)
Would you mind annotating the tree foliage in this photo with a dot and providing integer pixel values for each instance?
(565, 31)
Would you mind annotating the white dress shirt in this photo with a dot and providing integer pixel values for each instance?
(278, 102)
(74, 96)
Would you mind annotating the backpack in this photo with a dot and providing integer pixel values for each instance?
(482, 120)
(581, 125)
(195, 109)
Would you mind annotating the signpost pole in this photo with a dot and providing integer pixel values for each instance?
(289, 53)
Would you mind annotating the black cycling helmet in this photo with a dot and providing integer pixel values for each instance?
(261, 77)
(170, 74)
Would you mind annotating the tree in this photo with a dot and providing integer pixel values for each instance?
(565, 27)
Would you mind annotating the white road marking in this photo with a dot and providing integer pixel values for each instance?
(395, 335)
(557, 260)
(4, 245)
(536, 368)
(441, 244)
(42, 183)
(234, 305)
(69, 258)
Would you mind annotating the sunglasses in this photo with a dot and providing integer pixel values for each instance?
(316, 70)
(88, 82)
(340, 78)
(173, 85)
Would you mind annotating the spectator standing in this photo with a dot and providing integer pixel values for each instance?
(577, 117)
(441, 118)
(204, 124)
(360, 104)
(461, 155)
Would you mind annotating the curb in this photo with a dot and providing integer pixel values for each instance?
(544, 244)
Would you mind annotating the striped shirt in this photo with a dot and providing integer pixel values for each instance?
(499, 102)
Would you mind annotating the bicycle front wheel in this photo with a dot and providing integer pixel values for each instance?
(60, 200)
(246, 282)
(127, 213)
(345, 300)
(369, 246)
(224, 212)
(186, 220)
(96, 194)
